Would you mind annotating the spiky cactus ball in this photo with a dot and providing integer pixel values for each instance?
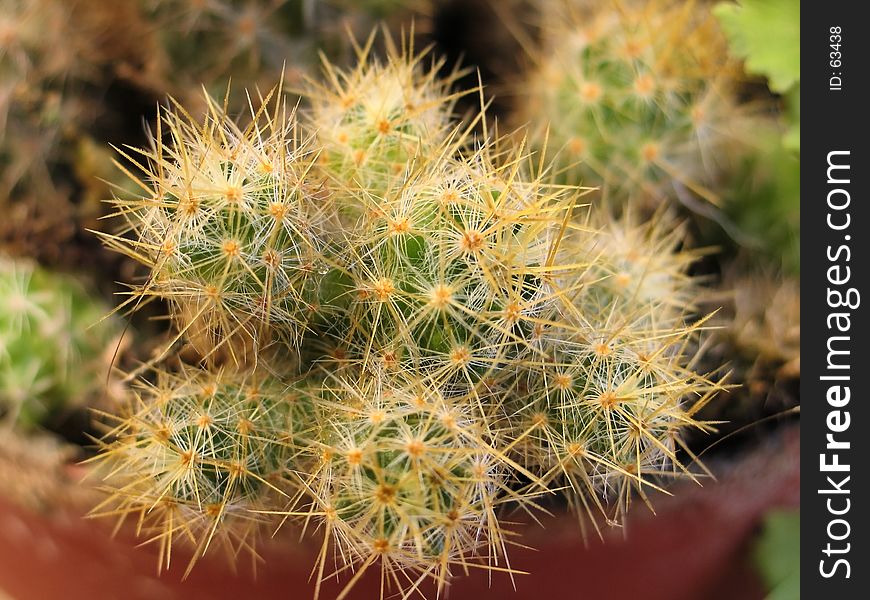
(607, 418)
(55, 354)
(633, 98)
(229, 227)
(601, 402)
(406, 476)
(447, 272)
(198, 453)
(373, 121)
(637, 275)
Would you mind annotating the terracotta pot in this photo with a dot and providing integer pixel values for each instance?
(695, 547)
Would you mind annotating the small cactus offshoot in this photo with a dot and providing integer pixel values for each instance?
(371, 123)
(406, 476)
(230, 226)
(198, 454)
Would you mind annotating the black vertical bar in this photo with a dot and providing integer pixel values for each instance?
(835, 230)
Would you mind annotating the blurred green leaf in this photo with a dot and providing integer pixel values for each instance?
(777, 554)
(766, 33)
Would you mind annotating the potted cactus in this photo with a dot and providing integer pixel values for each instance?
(397, 340)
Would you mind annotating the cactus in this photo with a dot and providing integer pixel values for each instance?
(449, 272)
(51, 358)
(638, 271)
(639, 98)
(603, 404)
(229, 227)
(406, 476)
(198, 454)
(373, 121)
(452, 336)
(607, 416)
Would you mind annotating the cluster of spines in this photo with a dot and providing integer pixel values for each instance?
(637, 271)
(390, 469)
(606, 417)
(460, 328)
(449, 271)
(372, 123)
(61, 62)
(407, 476)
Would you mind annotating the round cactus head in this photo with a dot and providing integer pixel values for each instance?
(199, 453)
(229, 227)
(637, 272)
(606, 417)
(446, 275)
(406, 477)
(373, 122)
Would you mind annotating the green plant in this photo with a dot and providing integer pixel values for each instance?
(231, 229)
(55, 349)
(373, 121)
(762, 198)
(198, 454)
(777, 554)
